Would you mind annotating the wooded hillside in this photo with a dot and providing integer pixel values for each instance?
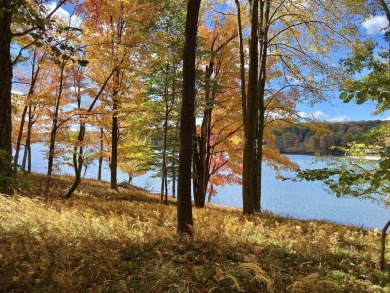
(296, 139)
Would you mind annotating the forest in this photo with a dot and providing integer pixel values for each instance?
(204, 94)
(295, 139)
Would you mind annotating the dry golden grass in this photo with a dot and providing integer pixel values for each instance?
(103, 241)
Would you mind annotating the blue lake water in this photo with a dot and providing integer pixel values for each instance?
(303, 200)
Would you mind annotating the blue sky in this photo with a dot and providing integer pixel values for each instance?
(335, 109)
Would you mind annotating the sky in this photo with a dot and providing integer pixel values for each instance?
(335, 110)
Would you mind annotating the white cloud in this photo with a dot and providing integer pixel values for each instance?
(340, 118)
(73, 21)
(375, 24)
(319, 115)
(315, 115)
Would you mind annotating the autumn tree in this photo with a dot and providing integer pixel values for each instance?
(282, 62)
(218, 110)
(115, 34)
(34, 20)
(37, 57)
(164, 90)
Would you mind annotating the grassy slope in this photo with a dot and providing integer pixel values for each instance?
(101, 241)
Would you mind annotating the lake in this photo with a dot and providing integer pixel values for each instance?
(303, 200)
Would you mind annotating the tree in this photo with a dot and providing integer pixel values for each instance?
(184, 205)
(353, 175)
(164, 90)
(281, 61)
(118, 41)
(218, 109)
(367, 182)
(37, 58)
(34, 18)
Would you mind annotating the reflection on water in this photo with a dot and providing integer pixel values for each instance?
(304, 200)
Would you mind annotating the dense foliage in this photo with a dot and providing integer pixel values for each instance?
(303, 140)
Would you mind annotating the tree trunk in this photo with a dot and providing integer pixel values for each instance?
(184, 205)
(251, 123)
(203, 140)
(195, 162)
(115, 132)
(263, 42)
(54, 130)
(117, 30)
(114, 146)
(242, 61)
(77, 162)
(28, 140)
(164, 150)
(166, 187)
(101, 157)
(383, 245)
(174, 171)
(19, 140)
(5, 97)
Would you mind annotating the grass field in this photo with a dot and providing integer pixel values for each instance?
(104, 241)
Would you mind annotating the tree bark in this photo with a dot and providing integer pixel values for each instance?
(77, 162)
(251, 123)
(101, 157)
(28, 141)
(383, 245)
(164, 150)
(114, 145)
(19, 140)
(385, 9)
(242, 61)
(263, 43)
(204, 139)
(184, 205)
(5, 97)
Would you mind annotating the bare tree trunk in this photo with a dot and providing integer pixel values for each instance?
(101, 157)
(19, 140)
(5, 97)
(164, 150)
(203, 139)
(195, 162)
(263, 42)
(242, 61)
(28, 141)
(251, 123)
(114, 146)
(77, 162)
(184, 205)
(174, 171)
(54, 130)
(166, 187)
(383, 245)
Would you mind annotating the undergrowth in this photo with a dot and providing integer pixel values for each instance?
(104, 241)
